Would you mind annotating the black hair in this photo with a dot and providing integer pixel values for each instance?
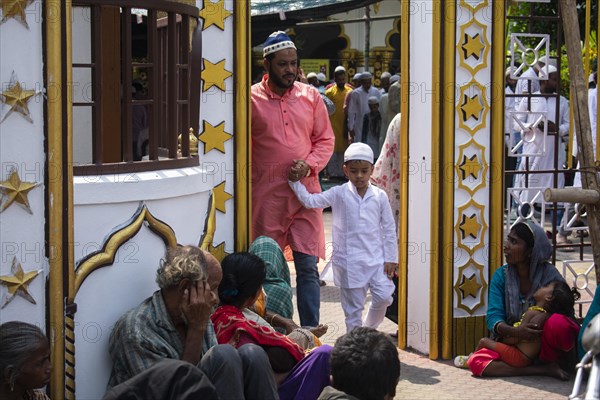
(524, 232)
(563, 299)
(365, 364)
(243, 274)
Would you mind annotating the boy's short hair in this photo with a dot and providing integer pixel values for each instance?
(359, 152)
(365, 364)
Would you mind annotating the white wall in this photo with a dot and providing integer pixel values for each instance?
(102, 206)
(22, 148)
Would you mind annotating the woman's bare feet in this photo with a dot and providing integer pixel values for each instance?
(319, 331)
(555, 371)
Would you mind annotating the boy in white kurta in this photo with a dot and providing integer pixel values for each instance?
(365, 245)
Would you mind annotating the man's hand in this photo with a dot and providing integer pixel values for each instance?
(390, 269)
(299, 170)
(195, 305)
(351, 136)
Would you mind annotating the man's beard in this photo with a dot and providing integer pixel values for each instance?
(280, 82)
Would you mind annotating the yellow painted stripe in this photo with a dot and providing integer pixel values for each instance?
(243, 199)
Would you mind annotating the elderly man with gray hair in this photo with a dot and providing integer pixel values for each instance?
(174, 323)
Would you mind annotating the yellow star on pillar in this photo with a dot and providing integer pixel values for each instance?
(469, 226)
(17, 98)
(214, 75)
(15, 9)
(214, 14)
(470, 166)
(219, 251)
(469, 286)
(471, 107)
(214, 137)
(220, 196)
(472, 46)
(17, 283)
(16, 190)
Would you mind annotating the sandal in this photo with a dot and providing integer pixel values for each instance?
(461, 361)
(561, 240)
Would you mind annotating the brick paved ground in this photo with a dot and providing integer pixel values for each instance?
(422, 378)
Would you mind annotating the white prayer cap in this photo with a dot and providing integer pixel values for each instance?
(386, 75)
(548, 69)
(373, 100)
(356, 77)
(366, 75)
(509, 71)
(321, 76)
(359, 152)
(311, 75)
(394, 78)
(277, 41)
(547, 60)
(340, 68)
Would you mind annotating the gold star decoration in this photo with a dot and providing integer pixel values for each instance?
(469, 286)
(214, 14)
(470, 166)
(219, 251)
(17, 98)
(471, 107)
(220, 196)
(214, 75)
(214, 137)
(15, 9)
(469, 226)
(18, 283)
(16, 190)
(472, 46)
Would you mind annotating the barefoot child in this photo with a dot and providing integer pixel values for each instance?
(555, 297)
(365, 253)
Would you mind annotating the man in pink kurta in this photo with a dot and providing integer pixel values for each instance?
(290, 128)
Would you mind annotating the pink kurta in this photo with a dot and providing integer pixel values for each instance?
(295, 126)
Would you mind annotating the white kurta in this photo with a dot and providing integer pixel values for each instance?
(592, 107)
(358, 107)
(363, 231)
(534, 143)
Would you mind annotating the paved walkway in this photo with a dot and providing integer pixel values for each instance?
(422, 378)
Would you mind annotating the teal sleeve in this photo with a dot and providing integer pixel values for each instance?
(592, 312)
(496, 311)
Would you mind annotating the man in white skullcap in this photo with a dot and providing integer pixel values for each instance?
(366, 253)
(338, 93)
(541, 147)
(358, 106)
(290, 128)
(384, 84)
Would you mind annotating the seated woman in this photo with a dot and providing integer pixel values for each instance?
(554, 298)
(24, 361)
(526, 250)
(275, 304)
(300, 375)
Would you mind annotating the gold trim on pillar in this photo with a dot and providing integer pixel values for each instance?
(403, 228)
(497, 136)
(243, 199)
(106, 255)
(436, 124)
(447, 182)
(55, 198)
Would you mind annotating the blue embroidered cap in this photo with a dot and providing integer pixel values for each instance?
(277, 41)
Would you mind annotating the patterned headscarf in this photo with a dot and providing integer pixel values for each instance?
(541, 272)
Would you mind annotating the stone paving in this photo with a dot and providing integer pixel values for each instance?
(422, 378)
